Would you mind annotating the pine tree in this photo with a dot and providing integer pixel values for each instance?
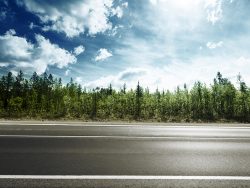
(138, 96)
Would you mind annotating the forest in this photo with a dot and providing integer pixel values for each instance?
(45, 97)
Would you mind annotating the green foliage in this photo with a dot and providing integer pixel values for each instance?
(15, 106)
(46, 97)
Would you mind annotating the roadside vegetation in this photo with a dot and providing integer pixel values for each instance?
(45, 97)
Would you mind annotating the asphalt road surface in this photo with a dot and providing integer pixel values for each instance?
(75, 155)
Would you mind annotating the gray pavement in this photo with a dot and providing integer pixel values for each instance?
(125, 150)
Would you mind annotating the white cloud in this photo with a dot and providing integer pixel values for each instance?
(167, 19)
(115, 30)
(47, 53)
(154, 2)
(67, 72)
(73, 18)
(177, 73)
(79, 80)
(184, 5)
(131, 73)
(15, 73)
(125, 4)
(130, 76)
(191, 8)
(214, 10)
(242, 61)
(103, 81)
(118, 12)
(32, 25)
(3, 64)
(15, 47)
(213, 45)
(103, 54)
(78, 50)
(10, 32)
(17, 51)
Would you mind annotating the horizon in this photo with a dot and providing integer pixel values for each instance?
(56, 80)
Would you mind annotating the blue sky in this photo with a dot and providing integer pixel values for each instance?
(161, 43)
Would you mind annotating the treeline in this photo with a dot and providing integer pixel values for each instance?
(46, 97)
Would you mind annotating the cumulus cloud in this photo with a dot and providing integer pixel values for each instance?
(14, 47)
(103, 54)
(47, 53)
(20, 53)
(78, 50)
(213, 45)
(74, 17)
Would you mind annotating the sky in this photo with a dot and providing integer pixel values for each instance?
(160, 43)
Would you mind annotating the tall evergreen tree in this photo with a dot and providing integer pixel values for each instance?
(138, 105)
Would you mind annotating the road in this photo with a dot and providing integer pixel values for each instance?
(120, 156)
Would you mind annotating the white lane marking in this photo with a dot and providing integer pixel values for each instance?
(124, 177)
(127, 137)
